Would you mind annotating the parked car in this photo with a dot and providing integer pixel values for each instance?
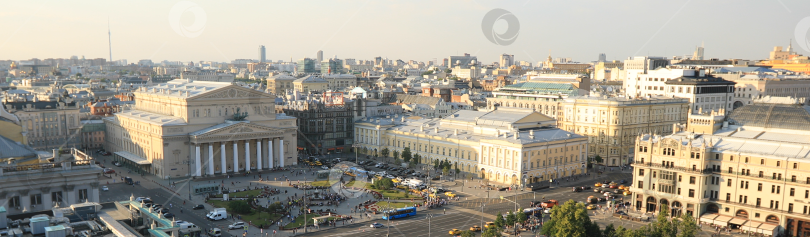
(105, 188)
(475, 228)
(168, 215)
(236, 225)
(200, 206)
(108, 171)
(576, 189)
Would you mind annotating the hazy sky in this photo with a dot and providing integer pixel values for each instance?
(419, 30)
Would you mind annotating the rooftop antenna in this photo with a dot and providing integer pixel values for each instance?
(109, 39)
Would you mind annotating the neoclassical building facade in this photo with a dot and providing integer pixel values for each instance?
(196, 128)
(749, 171)
(509, 146)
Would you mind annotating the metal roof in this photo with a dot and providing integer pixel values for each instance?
(783, 116)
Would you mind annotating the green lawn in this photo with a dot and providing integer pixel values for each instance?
(255, 217)
(393, 204)
(299, 221)
(243, 194)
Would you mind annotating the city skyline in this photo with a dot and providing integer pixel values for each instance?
(366, 29)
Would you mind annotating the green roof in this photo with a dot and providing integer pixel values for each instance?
(542, 88)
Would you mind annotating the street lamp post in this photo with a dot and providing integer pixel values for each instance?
(429, 216)
(355, 146)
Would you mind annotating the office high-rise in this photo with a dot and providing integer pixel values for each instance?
(320, 56)
(262, 55)
(507, 60)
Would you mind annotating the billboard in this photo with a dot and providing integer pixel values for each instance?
(333, 98)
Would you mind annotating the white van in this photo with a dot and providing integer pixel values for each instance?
(217, 214)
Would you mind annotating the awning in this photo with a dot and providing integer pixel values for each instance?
(300, 148)
(330, 149)
(132, 157)
(766, 229)
(708, 218)
(340, 148)
(722, 220)
(751, 226)
(738, 221)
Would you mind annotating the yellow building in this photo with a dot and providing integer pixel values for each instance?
(279, 84)
(509, 146)
(612, 124)
(749, 172)
(195, 128)
(310, 84)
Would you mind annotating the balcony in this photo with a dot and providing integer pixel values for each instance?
(675, 168)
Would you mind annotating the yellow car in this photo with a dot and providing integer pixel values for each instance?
(402, 187)
(598, 185)
(489, 225)
(395, 180)
(455, 232)
(475, 228)
(622, 187)
(451, 195)
(591, 207)
(627, 193)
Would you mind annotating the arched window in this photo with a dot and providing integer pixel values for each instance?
(772, 219)
(741, 213)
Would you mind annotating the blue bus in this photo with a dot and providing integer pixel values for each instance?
(536, 211)
(399, 213)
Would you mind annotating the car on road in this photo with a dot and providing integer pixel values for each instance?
(627, 193)
(390, 176)
(199, 206)
(549, 204)
(376, 225)
(236, 225)
(215, 232)
(108, 171)
(117, 164)
(168, 215)
(475, 228)
(591, 207)
(454, 232)
(576, 189)
(586, 187)
(105, 188)
(489, 225)
(597, 190)
(622, 181)
(617, 191)
(323, 167)
(601, 199)
(547, 210)
(597, 185)
(144, 199)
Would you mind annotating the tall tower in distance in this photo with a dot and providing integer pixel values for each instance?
(109, 39)
(698, 55)
(602, 57)
(507, 60)
(262, 55)
(320, 56)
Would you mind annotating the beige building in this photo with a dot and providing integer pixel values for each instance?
(279, 84)
(509, 146)
(47, 124)
(612, 124)
(27, 187)
(310, 84)
(184, 127)
(339, 82)
(749, 172)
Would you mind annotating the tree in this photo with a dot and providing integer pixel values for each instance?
(436, 164)
(239, 206)
(384, 152)
(510, 219)
(662, 226)
(396, 155)
(570, 219)
(412, 164)
(445, 170)
(417, 158)
(427, 73)
(521, 216)
(458, 171)
(467, 233)
(385, 184)
(598, 159)
(609, 231)
(499, 221)
(406, 154)
(491, 232)
(688, 227)
(78, 74)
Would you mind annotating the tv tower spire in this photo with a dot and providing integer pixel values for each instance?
(109, 39)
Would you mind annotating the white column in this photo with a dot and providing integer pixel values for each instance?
(281, 152)
(197, 161)
(270, 152)
(259, 154)
(210, 158)
(222, 159)
(247, 155)
(235, 157)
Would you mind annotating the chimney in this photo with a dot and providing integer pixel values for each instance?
(436, 130)
(517, 135)
(422, 128)
(455, 132)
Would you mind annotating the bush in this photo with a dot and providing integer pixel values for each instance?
(239, 206)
